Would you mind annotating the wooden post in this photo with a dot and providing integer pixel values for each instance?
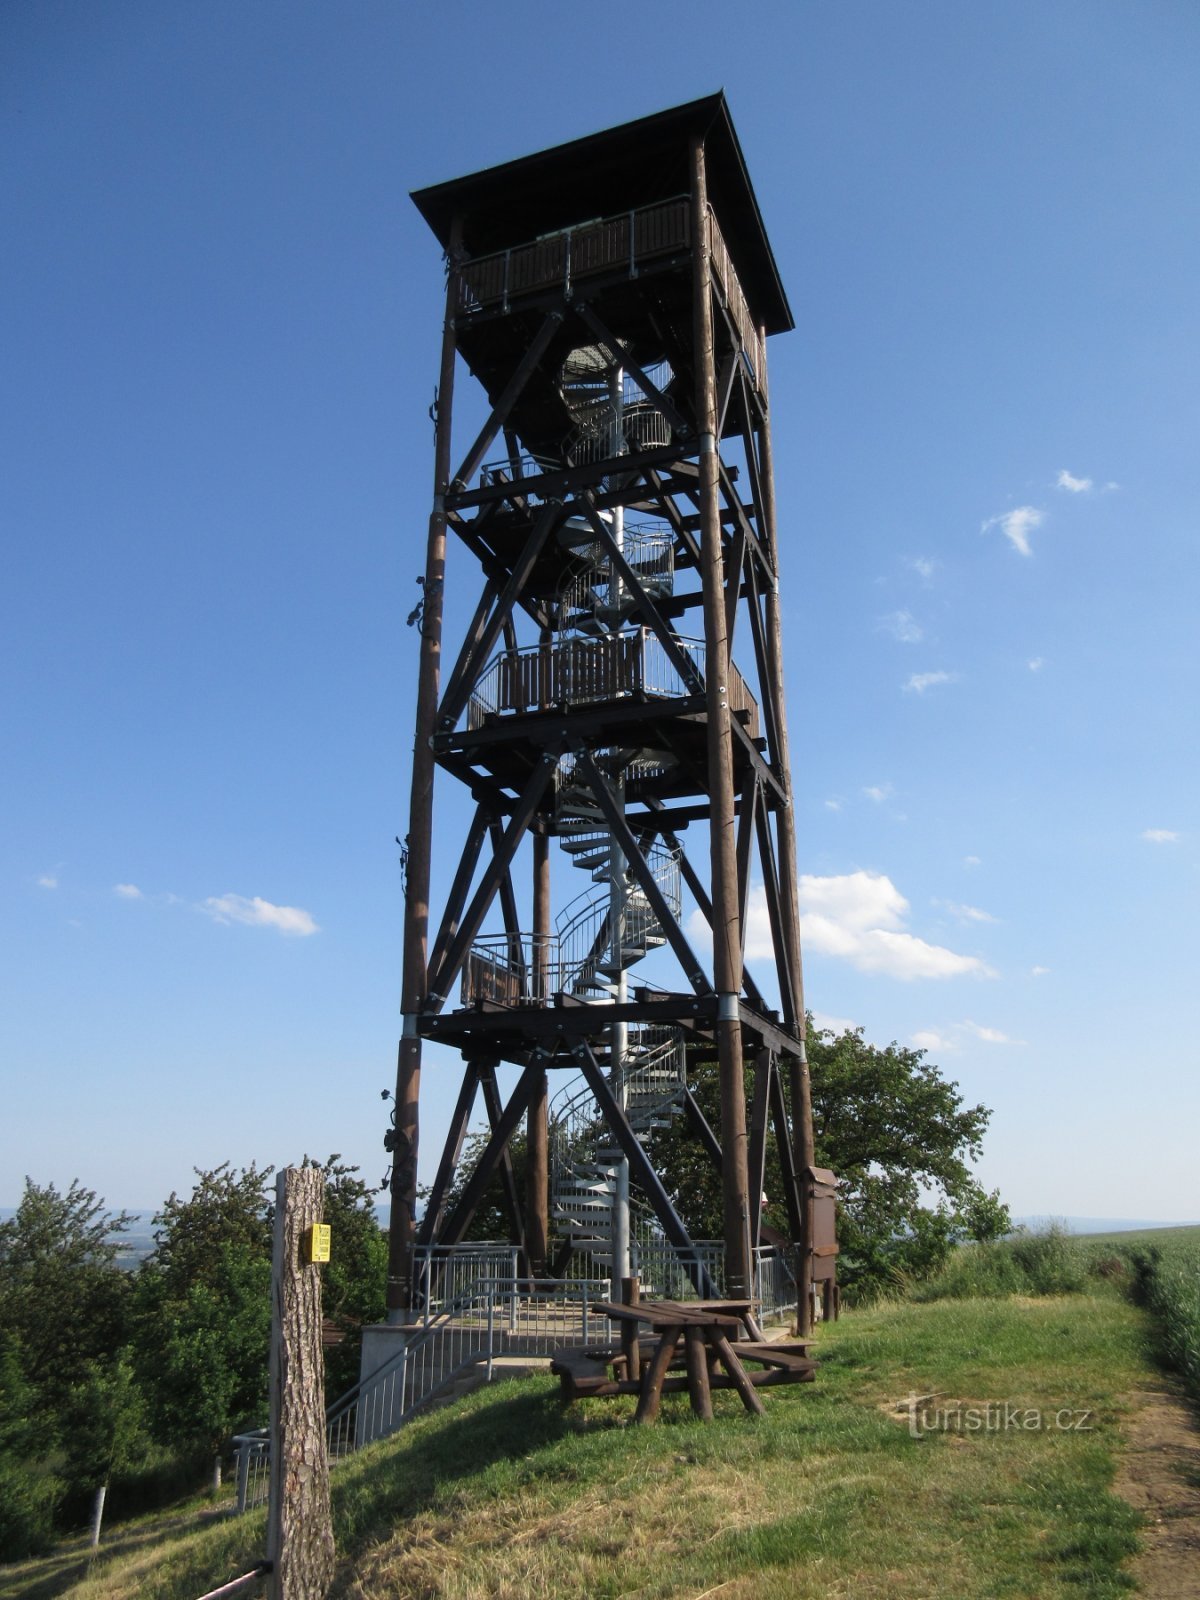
(727, 938)
(403, 1183)
(299, 1526)
(803, 1155)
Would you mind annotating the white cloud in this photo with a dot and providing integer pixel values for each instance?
(836, 1025)
(833, 805)
(1036, 663)
(1072, 484)
(127, 891)
(920, 681)
(1110, 486)
(924, 568)
(966, 913)
(988, 1035)
(259, 913)
(859, 917)
(878, 792)
(1017, 525)
(948, 1039)
(972, 861)
(902, 626)
(1038, 972)
(930, 1039)
(48, 880)
(1160, 835)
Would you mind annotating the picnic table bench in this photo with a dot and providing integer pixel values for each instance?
(705, 1343)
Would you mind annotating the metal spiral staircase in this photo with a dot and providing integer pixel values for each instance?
(606, 931)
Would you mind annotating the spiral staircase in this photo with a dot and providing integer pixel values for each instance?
(608, 929)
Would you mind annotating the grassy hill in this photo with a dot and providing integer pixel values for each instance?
(834, 1492)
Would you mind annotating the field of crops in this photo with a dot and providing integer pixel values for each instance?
(1166, 1267)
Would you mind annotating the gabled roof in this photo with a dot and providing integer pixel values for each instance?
(635, 164)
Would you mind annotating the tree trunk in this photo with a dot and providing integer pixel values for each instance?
(299, 1528)
(216, 1477)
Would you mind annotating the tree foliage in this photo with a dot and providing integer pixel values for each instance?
(900, 1140)
(203, 1310)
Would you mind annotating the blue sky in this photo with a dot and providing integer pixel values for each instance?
(219, 321)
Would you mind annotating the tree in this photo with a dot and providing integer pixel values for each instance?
(105, 1433)
(203, 1311)
(63, 1298)
(900, 1140)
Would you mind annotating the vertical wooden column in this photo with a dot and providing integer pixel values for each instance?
(727, 943)
(299, 1527)
(403, 1185)
(800, 1082)
(537, 1183)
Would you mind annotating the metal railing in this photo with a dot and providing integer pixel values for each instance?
(585, 671)
(627, 241)
(491, 1312)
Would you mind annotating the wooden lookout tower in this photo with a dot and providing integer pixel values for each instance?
(614, 711)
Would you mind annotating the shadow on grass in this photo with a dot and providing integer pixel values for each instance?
(45, 1577)
(408, 1474)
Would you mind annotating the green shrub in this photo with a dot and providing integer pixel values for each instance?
(1051, 1261)
(1027, 1263)
(28, 1504)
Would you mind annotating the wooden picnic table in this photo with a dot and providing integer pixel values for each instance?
(704, 1336)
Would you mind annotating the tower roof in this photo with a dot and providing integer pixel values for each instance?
(604, 174)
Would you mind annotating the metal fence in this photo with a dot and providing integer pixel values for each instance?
(478, 1308)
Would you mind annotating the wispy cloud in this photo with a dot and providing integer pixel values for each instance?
(259, 913)
(966, 913)
(924, 568)
(1160, 835)
(1036, 663)
(920, 681)
(902, 626)
(1073, 485)
(945, 1040)
(1038, 972)
(878, 792)
(48, 880)
(833, 805)
(931, 1039)
(972, 861)
(127, 891)
(1016, 526)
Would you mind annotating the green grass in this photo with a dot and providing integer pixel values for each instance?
(507, 1495)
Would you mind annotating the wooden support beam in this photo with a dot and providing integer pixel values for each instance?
(508, 1180)
(679, 658)
(474, 661)
(509, 396)
(642, 1172)
(461, 886)
(477, 1183)
(620, 357)
(456, 954)
(451, 1151)
(632, 851)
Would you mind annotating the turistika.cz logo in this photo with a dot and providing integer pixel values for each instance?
(927, 1413)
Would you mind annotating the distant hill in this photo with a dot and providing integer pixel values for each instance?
(1096, 1224)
